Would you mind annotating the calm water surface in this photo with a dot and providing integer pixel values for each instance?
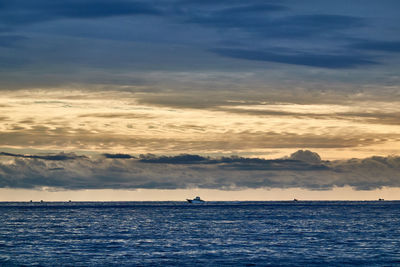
(211, 234)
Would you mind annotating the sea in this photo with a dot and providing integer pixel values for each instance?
(303, 233)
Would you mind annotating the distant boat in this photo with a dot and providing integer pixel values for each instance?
(381, 199)
(295, 200)
(196, 200)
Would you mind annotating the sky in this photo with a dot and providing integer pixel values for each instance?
(230, 100)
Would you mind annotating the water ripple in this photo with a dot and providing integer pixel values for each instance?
(215, 234)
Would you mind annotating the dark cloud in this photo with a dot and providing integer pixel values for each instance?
(265, 29)
(221, 3)
(384, 46)
(273, 165)
(255, 8)
(21, 12)
(27, 121)
(254, 26)
(250, 17)
(117, 115)
(253, 19)
(301, 160)
(118, 156)
(322, 22)
(189, 171)
(59, 156)
(330, 61)
(180, 159)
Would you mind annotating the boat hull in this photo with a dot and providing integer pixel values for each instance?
(193, 201)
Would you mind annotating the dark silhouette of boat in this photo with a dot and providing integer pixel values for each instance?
(196, 200)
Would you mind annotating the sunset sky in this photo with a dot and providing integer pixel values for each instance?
(229, 100)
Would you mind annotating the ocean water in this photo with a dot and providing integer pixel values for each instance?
(212, 234)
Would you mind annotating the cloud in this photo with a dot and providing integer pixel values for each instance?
(19, 12)
(257, 27)
(384, 46)
(374, 172)
(254, 27)
(59, 156)
(306, 156)
(254, 19)
(118, 156)
(305, 162)
(254, 8)
(330, 61)
(118, 42)
(384, 118)
(181, 159)
(54, 136)
(189, 171)
(117, 115)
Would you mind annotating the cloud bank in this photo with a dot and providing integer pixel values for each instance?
(302, 169)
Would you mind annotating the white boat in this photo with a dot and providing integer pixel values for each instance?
(196, 200)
